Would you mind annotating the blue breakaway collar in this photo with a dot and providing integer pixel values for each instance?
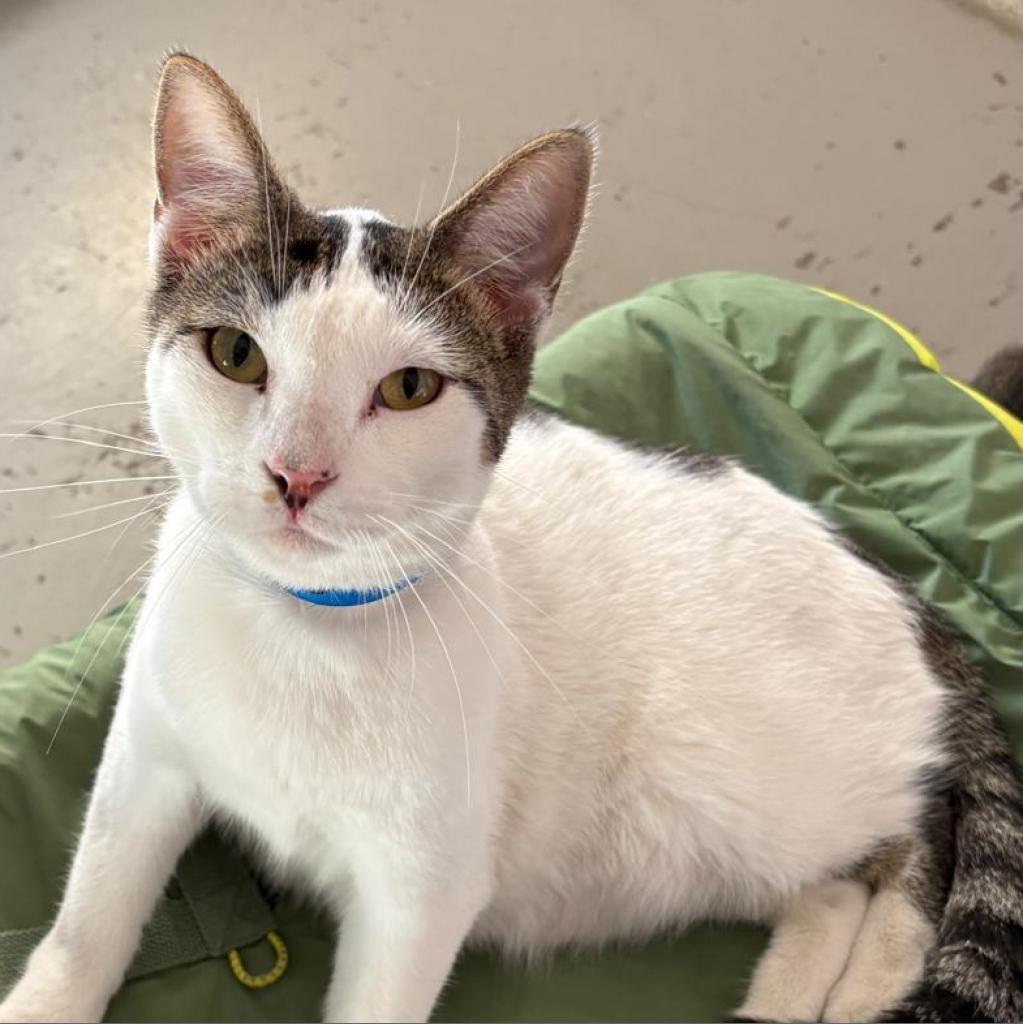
(349, 598)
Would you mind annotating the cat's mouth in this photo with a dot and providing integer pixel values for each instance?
(299, 537)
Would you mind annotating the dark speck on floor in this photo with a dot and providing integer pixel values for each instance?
(917, 260)
(805, 260)
(1002, 183)
(977, 202)
(875, 289)
(17, 630)
(999, 78)
(943, 223)
(784, 222)
(899, 144)
(41, 578)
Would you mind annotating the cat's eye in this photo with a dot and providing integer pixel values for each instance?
(409, 388)
(234, 354)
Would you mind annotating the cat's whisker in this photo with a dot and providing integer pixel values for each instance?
(85, 635)
(483, 568)
(443, 205)
(284, 247)
(112, 504)
(434, 559)
(89, 427)
(433, 501)
(441, 515)
(199, 532)
(266, 192)
(78, 412)
(411, 642)
(411, 238)
(371, 547)
(545, 498)
(511, 633)
(83, 441)
(77, 536)
(92, 483)
(454, 678)
(102, 608)
(84, 675)
(465, 280)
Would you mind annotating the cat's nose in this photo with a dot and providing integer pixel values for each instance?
(298, 486)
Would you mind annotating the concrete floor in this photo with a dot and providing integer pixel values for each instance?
(874, 147)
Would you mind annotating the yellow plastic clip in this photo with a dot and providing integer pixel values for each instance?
(234, 958)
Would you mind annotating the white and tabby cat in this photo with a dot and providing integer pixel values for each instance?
(470, 675)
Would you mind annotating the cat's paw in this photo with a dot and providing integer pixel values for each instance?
(48, 991)
(28, 1006)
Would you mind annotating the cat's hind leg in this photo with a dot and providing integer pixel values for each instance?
(808, 951)
(899, 928)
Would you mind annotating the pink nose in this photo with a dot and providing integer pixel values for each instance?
(298, 486)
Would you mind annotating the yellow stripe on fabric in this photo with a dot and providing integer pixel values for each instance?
(1013, 425)
(923, 353)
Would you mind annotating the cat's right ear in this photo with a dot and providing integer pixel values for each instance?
(214, 178)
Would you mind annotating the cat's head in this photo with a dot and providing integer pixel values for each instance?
(328, 384)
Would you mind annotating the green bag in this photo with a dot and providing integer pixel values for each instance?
(829, 400)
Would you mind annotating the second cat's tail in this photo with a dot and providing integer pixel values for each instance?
(1001, 378)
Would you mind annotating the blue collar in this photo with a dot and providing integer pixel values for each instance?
(349, 598)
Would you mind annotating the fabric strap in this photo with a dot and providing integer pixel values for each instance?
(212, 905)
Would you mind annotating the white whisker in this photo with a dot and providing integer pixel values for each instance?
(511, 633)
(412, 646)
(411, 238)
(443, 204)
(266, 192)
(77, 536)
(82, 441)
(454, 678)
(95, 430)
(82, 676)
(465, 280)
(88, 629)
(78, 412)
(199, 535)
(112, 504)
(87, 483)
(435, 560)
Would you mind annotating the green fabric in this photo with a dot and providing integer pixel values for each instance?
(819, 397)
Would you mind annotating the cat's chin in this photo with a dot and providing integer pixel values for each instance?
(296, 558)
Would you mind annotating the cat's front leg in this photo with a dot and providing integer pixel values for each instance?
(400, 934)
(142, 813)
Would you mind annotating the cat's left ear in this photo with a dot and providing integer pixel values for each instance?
(511, 235)
(215, 181)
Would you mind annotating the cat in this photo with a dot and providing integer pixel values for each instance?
(470, 674)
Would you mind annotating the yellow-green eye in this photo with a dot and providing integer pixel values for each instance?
(409, 388)
(237, 356)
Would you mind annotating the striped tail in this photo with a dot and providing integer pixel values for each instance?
(975, 970)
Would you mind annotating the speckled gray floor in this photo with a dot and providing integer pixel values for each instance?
(874, 147)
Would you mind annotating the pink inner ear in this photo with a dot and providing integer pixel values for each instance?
(520, 232)
(193, 216)
(204, 176)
